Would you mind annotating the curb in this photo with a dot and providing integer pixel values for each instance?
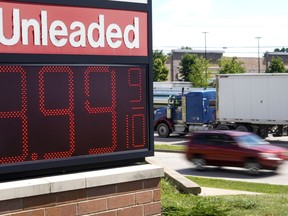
(182, 183)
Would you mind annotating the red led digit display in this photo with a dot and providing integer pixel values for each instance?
(13, 114)
(111, 109)
(69, 111)
(53, 112)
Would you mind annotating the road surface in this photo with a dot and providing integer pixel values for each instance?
(178, 162)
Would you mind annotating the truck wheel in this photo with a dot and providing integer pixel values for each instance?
(163, 130)
(184, 133)
(263, 133)
(222, 127)
(242, 128)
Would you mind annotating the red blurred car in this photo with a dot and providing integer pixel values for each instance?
(234, 149)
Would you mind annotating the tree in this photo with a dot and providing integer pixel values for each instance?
(283, 49)
(185, 48)
(230, 66)
(276, 66)
(194, 69)
(160, 70)
(159, 54)
(276, 50)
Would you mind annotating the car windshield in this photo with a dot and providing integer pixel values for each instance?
(251, 140)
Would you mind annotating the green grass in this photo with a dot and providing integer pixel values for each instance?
(273, 202)
(169, 147)
(240, 185)
(175, 203)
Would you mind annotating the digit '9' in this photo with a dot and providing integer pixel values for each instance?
(69, 111)
(104, 109)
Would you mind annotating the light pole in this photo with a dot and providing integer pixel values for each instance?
(205, 54)
(258, 38)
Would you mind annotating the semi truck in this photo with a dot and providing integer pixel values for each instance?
(191, 111)
(255, 103)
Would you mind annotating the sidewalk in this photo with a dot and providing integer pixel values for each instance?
(187, 186)
(205, 191)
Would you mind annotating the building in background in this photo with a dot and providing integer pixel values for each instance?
(250, 63)
(281, 55)
(176, 55)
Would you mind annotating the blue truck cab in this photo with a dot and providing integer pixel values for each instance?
(184, 113)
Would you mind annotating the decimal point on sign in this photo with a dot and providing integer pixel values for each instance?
(34, 156)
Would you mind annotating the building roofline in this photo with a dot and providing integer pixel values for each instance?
(277, 53)
(196, 51)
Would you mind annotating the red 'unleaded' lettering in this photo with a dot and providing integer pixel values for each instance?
(46, 29)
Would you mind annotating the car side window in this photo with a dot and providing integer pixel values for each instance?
(226, 141)
(212, 139)
(201, 139)
(205, 139)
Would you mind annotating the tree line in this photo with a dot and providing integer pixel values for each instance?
(195, 68)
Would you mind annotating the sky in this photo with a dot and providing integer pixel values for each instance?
(232, 26)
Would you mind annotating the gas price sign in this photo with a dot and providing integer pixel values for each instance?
(75, 85)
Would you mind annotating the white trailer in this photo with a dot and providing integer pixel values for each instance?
(252, 102)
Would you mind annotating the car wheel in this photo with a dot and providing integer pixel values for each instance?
(252, 168)
(199, 163)
(163, 130)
